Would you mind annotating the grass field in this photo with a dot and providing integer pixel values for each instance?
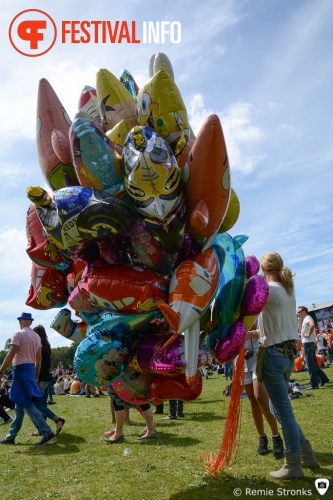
(81, 466)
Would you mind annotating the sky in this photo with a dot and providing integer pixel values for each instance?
(264, 66)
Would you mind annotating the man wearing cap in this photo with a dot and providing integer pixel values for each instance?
(25, 355)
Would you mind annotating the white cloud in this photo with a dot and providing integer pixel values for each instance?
(243, 137)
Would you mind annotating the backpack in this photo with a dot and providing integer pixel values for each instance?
(324, 341)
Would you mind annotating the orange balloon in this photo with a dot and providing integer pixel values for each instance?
(208, 177)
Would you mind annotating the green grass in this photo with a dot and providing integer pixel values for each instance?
(81, 466)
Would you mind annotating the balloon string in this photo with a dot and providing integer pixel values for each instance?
(230, 444)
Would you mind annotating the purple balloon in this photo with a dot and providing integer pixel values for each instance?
(255, 296)
(227, 348)
(167, 361)
(252, 265)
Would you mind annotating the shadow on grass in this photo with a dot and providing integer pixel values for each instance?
(225, 486)
(167, 439)
(64, 445)
(219, 401)
(202, 416)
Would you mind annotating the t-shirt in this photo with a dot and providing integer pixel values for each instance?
(75, 387)
(28, 342)
(320, 344)
(44, 374)
(305, 329)
(278, 321)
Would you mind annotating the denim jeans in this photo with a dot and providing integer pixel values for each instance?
(175, 403)
(316, 374)
(41, 404)
(16, 424)
(36, 418)
(277, 369)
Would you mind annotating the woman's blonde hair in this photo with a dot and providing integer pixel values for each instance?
(272, 262)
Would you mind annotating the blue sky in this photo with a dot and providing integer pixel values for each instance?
(264, 66)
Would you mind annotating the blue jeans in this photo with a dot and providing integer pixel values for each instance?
(276, 374)
(41, 404)
(36, 418)
(316, 374)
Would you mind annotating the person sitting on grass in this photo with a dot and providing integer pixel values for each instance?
(5, 404)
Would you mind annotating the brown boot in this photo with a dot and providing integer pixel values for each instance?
(307, 456)
(291, 468)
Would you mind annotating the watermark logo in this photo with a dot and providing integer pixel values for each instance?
(322, 485)
(32, 32)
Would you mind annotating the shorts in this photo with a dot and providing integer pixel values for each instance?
(119, 404)
(249, 377)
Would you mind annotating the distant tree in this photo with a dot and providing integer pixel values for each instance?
(3, 354)
(63, 354)
(7, 345)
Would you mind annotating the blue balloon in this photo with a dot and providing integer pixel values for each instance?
(231, 282)
(101, 357)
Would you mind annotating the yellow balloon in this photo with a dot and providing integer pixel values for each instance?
(119, 132)
(160, 107)
(114, 100)
(232, 214)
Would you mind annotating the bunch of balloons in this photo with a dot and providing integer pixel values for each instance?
(132, 235)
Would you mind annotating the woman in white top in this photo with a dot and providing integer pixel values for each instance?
(278, 337)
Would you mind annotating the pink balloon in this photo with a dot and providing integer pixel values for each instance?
(252, 265)
(227, 348)
(255, 296)
(133, 386)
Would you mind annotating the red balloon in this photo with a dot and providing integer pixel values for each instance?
(48, 288)
(40, 249)
(176, 387)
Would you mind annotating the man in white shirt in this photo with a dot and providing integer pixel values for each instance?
(308, 339)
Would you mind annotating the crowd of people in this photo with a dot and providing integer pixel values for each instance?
(271, 346)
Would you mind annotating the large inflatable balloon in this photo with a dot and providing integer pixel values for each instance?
(161, 107)
(101, 358)
(133, 386)
(53, 148)
(191, 290)
(125, 289)
(152, 176)
(96, 162)
(41, 250)
(78, 214)
(71, 330)
(208, 185)
(48, 288)
(115, 102)
(88, 102)
(131, 239)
